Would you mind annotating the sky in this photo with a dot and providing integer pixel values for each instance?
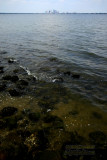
(40, 6)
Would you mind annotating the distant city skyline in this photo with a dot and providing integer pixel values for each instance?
(41, 6)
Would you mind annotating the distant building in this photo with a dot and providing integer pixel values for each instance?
(52, 11)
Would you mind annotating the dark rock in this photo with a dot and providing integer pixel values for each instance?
(23, 133)
(97, 138)
(43, 140)
(1, 69)
(56, 121)
(34, 116)
(14, 92)
(11, 60)
(14, 78)
(74, 112)
(97, 115)
(46, 104)
(67, 73)
(11, 123)
(8, 111)
(52, 59)
(2, 87)
(23, 82)
(76, 138)
(57, 80)
(3, 52)
(7, 77)
(2, 124)
(26, 111)
(77, 76)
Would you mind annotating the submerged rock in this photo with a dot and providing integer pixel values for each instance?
(34, 116)
(2, 87)
(23, 82)
(14, 78)
(1, 69)
(57, 80)
(67, 73)
(11, 123)
(77, 76)
(7, 77)
(11, 60)
(8, 111)
(2, 124)
(97, 115)
(97, 138)
(14, 92)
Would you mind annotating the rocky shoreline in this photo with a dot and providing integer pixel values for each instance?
(34, 126)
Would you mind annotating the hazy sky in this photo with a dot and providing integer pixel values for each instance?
(60, 5)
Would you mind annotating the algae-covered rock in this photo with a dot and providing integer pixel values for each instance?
(98, 138)
(2, 87)
(34, 116)
(97, 115)
(8, 111)
(14, 92)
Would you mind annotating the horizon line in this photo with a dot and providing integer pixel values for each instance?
(53, 13)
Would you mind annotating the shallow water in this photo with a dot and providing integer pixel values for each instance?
(77, 41)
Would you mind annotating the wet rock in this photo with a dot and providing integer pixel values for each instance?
(74, 112)
(7, 77)
(67, 73)
(26, 111)
(42, 140)
(11, 60)
(49, 155)
(52, 59)
(76, 138)
(23, 133)
(34, 116)
(2, 124)
(8, 111)
(97, 115)
(56, 121)
(3, 52)
(14, 92)
(58, 80)
(23, 123)
(75, 76)
(1, 69)
(23, 82)
(14, 78)
(2, 87)
(46, 104)
(11, 123)
(97, 138)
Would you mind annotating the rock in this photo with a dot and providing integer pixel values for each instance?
(1, 69)
(8, 111)
(11, 123)
(7, 77)
(23, 82)
(14, 92)
(34, 116)
(77, 76)
(67, 73)
(42, 140)
(11, 60)
(57, 80)
(2, 124)
(3, 52)
(24, 133)
(97, 115)
(2, 87)
(14, 78)
(53, 59)
(97, 137)
(74, 112)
